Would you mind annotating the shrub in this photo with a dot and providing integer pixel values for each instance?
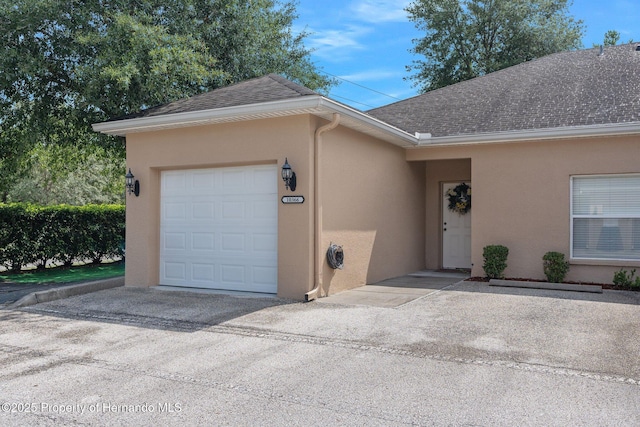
(625, 279)
(495, 260)
(555, 266)
(31, 234)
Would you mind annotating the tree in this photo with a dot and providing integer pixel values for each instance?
(58, 174)
(469, 38)
(611, 38)
(69, 63)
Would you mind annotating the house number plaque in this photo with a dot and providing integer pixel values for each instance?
(288, 200)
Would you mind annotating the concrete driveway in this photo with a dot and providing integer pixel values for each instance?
(467, 354)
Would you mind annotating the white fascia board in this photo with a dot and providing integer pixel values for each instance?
(632, 128)
(191, 118)
(315, 104)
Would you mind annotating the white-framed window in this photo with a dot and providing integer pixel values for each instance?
(605, 217)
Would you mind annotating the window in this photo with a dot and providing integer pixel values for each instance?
(605, 217)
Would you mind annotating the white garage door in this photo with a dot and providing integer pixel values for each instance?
(219, 228)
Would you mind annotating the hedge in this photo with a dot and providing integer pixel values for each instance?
(31, 234)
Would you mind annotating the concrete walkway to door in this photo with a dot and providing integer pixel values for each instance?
(397, 291)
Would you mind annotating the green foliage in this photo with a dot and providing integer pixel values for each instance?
(60, 174)
(469, 38)
(495, 260)
(67, 64)
(611, 38)
(140, 64)
(625, 280)
(555, 266)
(31, 234)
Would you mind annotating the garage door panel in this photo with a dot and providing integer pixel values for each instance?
(233, 242)
(265, 275)
(261, 182)
(174, 211)
(204, 180)
(175, 270)
(219, 228)
(233, 274)
(233, 210)
(175, 241)
(203, 210)
(203, 241)
(202, 272)
(174, 182)
(217, 244)
(233, 180)
(265, 243)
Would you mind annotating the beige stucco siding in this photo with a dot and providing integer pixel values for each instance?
(374, 207)
(373, 199)
(521, 197)
(246, 143)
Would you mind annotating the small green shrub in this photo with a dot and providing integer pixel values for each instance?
(625, 280)
(555, 266)
(495, 260)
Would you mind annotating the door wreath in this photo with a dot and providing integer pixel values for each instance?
(460, 198)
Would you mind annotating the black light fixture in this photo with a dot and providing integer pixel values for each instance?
(288, 176)
(132, 186)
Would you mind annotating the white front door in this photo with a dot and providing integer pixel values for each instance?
(219, 228)
(456, 233)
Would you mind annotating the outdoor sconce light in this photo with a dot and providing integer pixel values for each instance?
(132, 186)
(288, 176)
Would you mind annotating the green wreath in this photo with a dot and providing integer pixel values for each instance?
(460, 199)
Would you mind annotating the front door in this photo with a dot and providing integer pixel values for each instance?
(456, 233)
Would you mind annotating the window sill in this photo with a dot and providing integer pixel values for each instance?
(605, 262)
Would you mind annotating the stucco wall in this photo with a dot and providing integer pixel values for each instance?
(521, 197)
(246, 143)
(373, 206)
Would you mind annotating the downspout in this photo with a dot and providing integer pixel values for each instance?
(313, 293)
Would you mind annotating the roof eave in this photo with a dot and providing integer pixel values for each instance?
(567, 132)
(315, 104)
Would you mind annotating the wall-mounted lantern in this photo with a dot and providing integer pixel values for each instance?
(133, 186)
(288, 176)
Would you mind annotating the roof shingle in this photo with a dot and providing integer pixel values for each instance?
(564, 89)
(268, 88)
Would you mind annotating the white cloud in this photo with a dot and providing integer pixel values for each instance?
(373, 75)
(375, 11)
(336, 44)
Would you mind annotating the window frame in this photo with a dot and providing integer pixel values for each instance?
(572, 256)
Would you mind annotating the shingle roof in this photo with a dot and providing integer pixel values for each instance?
(564, 89)
(268, 88)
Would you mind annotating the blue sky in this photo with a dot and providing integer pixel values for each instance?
(367, 42)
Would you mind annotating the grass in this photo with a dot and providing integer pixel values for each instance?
(58, 275)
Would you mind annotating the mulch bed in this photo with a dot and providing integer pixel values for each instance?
(604, 285)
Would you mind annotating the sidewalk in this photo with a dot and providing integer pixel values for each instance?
(20, 295)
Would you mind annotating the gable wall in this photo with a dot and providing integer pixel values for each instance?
(237, 144)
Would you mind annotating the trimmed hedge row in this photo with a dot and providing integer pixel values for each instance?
(31, 234)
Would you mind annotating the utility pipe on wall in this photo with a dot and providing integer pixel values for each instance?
(317, 197)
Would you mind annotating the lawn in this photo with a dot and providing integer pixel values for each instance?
(81, 273)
